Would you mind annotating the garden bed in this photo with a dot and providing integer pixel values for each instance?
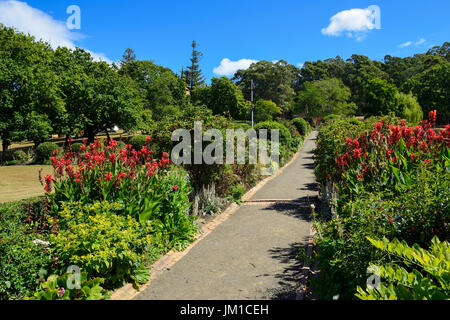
(390, 182)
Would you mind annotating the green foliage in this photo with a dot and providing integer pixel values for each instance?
(412, 111)
(385, 186)
(236, 192)
(44, 151)
(193, 74)
(21, 156)
(97, 97)
(76, 147)
(265, 110)
(101, 242)
(30, 92)
(223, 97)
(382, 98)
(429, 278)
(208, 202)
(273, 81)
(56, 288)
(431, 89)
(22, 260)
(138, 142)
(284, 134)
(323, 97)
(301, 125)
(164, 93)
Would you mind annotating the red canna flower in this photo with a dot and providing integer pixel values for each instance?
(175, 188)
(357, 153)
(432, 116)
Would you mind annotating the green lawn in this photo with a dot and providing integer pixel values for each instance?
(21, 182)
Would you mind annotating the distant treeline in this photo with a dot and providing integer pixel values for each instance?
(45, 91)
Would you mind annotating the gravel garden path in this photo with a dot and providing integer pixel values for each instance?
(252, 254)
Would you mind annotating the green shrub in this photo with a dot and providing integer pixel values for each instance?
(236, 192)
(411, 108)
(138, 142)
(101, 242)
(284, 134)
(301, 125)
(76, 147)
(429, 278)
(21, 259)
(21, 156)
(332, 117)
(44, 151)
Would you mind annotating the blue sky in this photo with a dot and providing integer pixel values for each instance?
(241, 31)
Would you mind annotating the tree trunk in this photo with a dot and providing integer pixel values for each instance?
(90, 134)
(5, 145)
(107, 136)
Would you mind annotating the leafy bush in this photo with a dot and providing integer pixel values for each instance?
(301, 125)
(284, 134)
(265, 110)
(138, 142)
(99, 241)
(44, 151)
(411, 108)
(236, 192)
(21, 156)
(22, 257)
(430, 282)
(76, 147)
(56, 288)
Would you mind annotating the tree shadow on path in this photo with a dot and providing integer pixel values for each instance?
(289, 280)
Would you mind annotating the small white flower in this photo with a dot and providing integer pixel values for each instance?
(313, 206)
(41, 242)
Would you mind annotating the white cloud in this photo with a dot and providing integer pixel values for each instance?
(406, 44)
(42, 26)
(420, 41)
(228, 67)
(410, 43)
(354, 22)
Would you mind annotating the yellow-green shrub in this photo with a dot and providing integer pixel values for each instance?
(101, 242)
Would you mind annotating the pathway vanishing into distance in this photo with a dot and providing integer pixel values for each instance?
(251, 255)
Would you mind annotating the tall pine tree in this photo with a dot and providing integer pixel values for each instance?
(129, 56)
(193, 74)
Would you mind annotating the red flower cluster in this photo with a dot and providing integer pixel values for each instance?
(421, 141)
(48, 183)
(107, 163)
